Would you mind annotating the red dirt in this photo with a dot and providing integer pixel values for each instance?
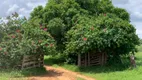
(59, 74)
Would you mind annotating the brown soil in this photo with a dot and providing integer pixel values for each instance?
(59, 74)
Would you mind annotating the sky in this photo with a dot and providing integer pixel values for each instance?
(24, 7)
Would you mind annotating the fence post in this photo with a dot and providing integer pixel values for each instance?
(23, 60)
(132, 60)
(85, 59)
(79, 60)
(102, 59)
(88, 59)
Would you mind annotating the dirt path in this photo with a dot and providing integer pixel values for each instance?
(59, 74)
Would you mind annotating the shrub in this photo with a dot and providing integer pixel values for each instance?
(22, 37)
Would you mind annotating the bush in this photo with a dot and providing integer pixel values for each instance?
(22, 37)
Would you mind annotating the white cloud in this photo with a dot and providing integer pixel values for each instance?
(23, 7)
(134, 7)
(120, 1)
(22, 10)
(29, 4)
(138, 27)
(12, 8)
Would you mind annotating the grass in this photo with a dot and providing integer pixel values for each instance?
(20, 74)
(78, 78)
(104, 72)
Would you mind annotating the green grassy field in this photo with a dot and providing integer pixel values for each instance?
(20, 74)
(105, 72)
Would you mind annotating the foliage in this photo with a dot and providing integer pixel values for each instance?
(105, 34)
(81, 26)
(57, 28)
(23, 38)
(57, 17)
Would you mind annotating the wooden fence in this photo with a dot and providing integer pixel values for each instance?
(91, 59)
(32, 61)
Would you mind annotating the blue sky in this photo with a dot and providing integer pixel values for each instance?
(24, 7)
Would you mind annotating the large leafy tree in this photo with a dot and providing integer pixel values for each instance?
(107, 34)
(86, 25)
(57, 17)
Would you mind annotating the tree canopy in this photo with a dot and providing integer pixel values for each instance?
(80, 26)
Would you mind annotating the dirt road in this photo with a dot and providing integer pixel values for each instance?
(59, 74)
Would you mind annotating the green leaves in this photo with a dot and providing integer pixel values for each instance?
(81, 26)
(102, 34)
(121, 13)
(23, 39)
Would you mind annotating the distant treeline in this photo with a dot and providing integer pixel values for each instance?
(141, 41)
